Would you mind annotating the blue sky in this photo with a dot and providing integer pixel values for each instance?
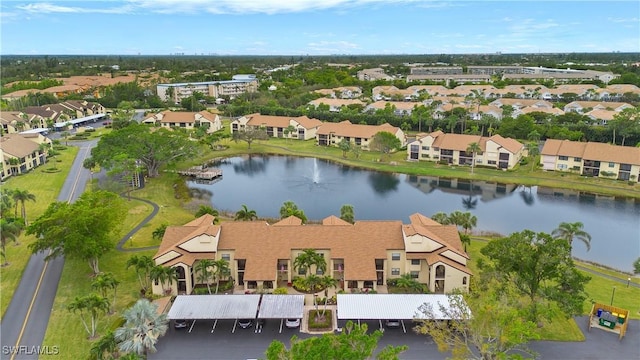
(316, 27)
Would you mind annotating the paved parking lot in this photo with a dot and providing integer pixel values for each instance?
(246, 344)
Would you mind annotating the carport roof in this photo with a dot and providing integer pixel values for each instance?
(209, 307)
(281, 307)
(389, 306)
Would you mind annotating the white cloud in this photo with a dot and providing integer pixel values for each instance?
(624, 20)
(46, 8)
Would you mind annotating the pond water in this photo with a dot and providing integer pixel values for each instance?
(320, 188)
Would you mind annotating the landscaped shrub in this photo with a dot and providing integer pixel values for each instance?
(280, 291)
(326, 324)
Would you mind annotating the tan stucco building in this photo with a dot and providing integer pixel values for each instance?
(331, 134)
(304, 128)
(186, 120)
(360, 255)
(496, 151)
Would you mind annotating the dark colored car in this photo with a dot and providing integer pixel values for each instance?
(180, 324)
(245, 323)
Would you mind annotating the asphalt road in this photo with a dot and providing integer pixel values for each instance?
(25, 322)
(246, 344)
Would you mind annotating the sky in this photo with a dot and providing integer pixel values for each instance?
(316, 27)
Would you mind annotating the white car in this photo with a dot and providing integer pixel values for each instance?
(292, 323)
(393, 323)
(245, 323)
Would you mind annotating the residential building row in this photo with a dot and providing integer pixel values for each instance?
(186, 120)
(21, 153)
(240, 84)
(591, 159)
(324, 133)
(361, 255)
(453, 149)
(44, 116)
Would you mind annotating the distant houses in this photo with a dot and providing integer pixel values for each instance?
(186, 120)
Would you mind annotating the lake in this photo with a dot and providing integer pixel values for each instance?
(320, 188)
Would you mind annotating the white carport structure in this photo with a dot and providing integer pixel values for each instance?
(214, 307)
(281, 307)
(389, 307)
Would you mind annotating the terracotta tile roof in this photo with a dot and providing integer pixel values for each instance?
(522, 102)
(262, 245)
(17, 145)
(346, 128)
(612, 153)
(400, 105)
(512, 145)
(552, 111)
(456, 141)
(281, 121)
(593, 104)
(178, 117)
(621, 89)
(563, 148)
(602, 114)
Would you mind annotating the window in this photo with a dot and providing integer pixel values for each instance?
(612, 164)
(563, 158)
(464, 280)
(425, 148)
(319, 271)
(577, 159)
(491, 162)
(440, 271)
(562, 166)
(226, 257)
(395, 271)
(415, 274)
(302, 271)
(415, 261)
(395, 256)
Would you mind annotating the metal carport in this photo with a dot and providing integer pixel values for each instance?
(214, 307)
(281, 307)
(388, 306)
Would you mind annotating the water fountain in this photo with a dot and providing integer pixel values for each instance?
(316, 172)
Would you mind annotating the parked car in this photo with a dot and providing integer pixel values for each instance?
(292, 323)
(180, 324)
(245, 323)
(393, 323)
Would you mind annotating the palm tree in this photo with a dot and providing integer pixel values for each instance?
(407, 282)
(158, 233)
(204, 273)
(103, 282)
(327, 282)
(245, 214)
(473, 148)
(8, 231)
(572, 231)
(289, 208)
(91, 305)
(6, 203)
(206, 209)
(309, 258)
(142, 265)
(533, 150)
(468, 222)
(142, 328)
(441, 218)
(105, 348)
(164, 275)
(221, 269)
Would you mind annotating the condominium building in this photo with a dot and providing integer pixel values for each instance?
(240, 84)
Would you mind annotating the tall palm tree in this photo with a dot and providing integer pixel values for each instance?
(347, 213)
(6, 203)
(473, 148)
(289, 208)
(103, 282)
(164, 276)
(142, 328)
(407, 282)
(441, 218)
(246, 214)
(327, 282)
(221, 269)
(204, 267)
(309, 258)
(572, 231)
(91, 305)
(8, 231)
(142, 265)
(468, 222)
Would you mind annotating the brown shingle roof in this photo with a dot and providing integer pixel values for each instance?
(17, 145)
(512, 145)
(346, 128)
(456, 141)
(563, 148)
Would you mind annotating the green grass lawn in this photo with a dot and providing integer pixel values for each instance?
(46, 187)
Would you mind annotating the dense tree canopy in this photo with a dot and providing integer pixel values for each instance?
(541, 268)
(154, 148)
(85, 229)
